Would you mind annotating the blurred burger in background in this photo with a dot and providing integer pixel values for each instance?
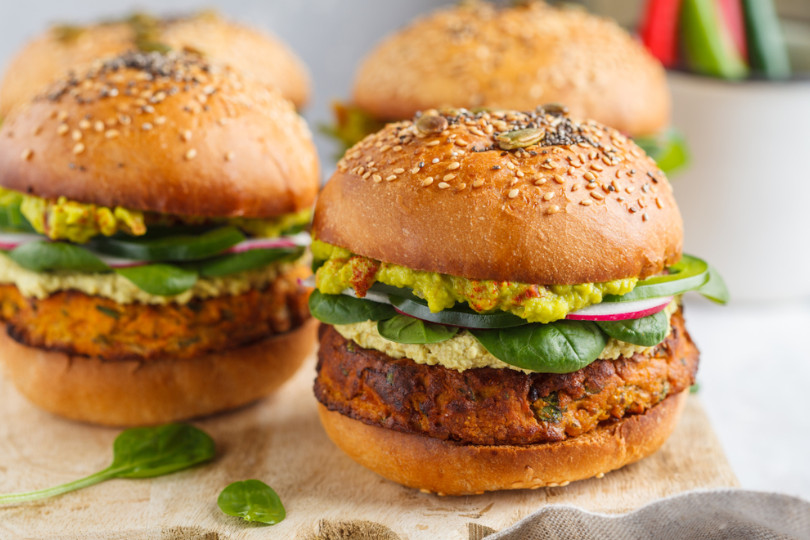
(478, 55)
(501, 291)
(65, 48)
(152, 210)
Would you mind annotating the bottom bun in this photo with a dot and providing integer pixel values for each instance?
(137, 393)
(447, 468)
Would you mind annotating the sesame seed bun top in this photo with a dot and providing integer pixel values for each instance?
(529, 197)
(164, 133)
(64, 48)
(516, 57)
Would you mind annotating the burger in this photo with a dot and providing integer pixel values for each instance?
(501, 299)
(152, 211)
(476, 55)
(63, 48)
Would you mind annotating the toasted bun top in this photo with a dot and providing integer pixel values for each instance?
(163, 133)
(516, 58)
(578, 202)
(65, 48)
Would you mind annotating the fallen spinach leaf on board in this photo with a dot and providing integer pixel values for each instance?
(139, 453)
(252, 500)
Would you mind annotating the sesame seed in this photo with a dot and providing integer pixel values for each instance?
(229, 156)
(434, 160)
(427, 181)
(548, 196)
(99, 126)
(434, 142)
(111, 133)
(398, 170)
(586, 202)
(443, 185)
(453, 166)
(461, 142)
(62, 129)
(597, 167)
(630, 189)
(415, 170)
(559, 179)
(540, 181)
(146, 126)
(62, 116)
(448, 177)
(553, 209)
(478, 182)
(160, 120)
(377, 178)
(633, 209)
(27, 154)
(575, 187)
(191, 154)
(78, 149)
(186, 135)
(84, 124)
(644, 216)
(461, 186)
(598, 196)
(514, 192)
(589, 176)
(590, 185)
(390, 178)
(658, 203)
(76, 135)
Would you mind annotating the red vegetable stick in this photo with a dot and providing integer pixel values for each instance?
(659, 30)
(732, 13)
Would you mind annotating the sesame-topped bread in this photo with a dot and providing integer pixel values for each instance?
(74, 48)
(532, 197)
(168, 133)
(517, 57)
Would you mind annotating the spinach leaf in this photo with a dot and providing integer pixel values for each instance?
(404, 329)
(248, 260)
(646, 331)
(160, 279)
(42, 256)
(558, 347)
(715, 288)
(171, 248)
(139, 453)
(342, 309)
(12, 218)
(252, 500)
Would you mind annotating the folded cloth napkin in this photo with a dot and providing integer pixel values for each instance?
(710, 514)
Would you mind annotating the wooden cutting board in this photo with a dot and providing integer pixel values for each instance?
(327, 496)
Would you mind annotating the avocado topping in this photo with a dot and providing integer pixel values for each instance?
(342, 269)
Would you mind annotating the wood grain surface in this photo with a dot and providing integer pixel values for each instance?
(327, 496)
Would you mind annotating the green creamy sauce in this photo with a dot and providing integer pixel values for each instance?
(63, 219)
(535, 303)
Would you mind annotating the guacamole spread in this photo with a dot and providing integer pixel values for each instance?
(342, 269)
(63, 219)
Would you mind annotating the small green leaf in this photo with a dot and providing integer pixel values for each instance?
(252, 500)
(174, 247)
(43, 256)
(646, 331)
(342, 309)
(160, 279)
(405, 329)
(668, 149)
(558, 347)
(139, 453)
(715, 289)
(248, 260)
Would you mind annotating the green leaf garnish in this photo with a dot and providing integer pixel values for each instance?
(715, 289)
(558, 347)
(139, 453)
(342, 309)
(646, 331)
(668, 149)
(160, 279)
(252, 500)
(405, 329)
(170, 248)
(248, 260)
(43, 256)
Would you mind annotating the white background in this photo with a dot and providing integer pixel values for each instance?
(755, 366)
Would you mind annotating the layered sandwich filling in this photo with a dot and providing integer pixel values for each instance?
(121, 284)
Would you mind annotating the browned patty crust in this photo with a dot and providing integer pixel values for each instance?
(489, 406)
(76, 323)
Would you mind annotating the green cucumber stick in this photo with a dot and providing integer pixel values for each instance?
(767, 50)
(707, 44)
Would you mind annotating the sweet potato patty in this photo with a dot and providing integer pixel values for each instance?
(76, 323)
(498, 406)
